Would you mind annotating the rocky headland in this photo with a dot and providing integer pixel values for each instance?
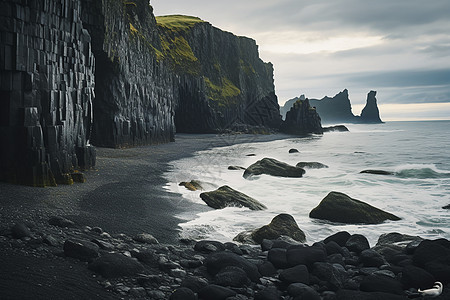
(338, 109)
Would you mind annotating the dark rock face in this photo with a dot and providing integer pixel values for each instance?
(46, 92)
(148, 79)
(281, 225)
(226, 196)
(336, 109)
(302, 119)
(236, 86)
(134, 91)
(273, 167)
(370, 112)
(338, 207)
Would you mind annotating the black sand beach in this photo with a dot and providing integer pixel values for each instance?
(124, 194)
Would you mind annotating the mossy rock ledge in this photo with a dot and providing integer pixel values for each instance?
(273, 167)
(226, 196)
(338, 207)
(283, 225)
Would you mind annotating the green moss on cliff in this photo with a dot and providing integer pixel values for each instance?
(224, 93)
(177, 22)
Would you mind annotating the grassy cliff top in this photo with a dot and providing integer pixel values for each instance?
(178, 22)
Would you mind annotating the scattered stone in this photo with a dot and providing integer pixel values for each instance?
(281, 225)
(357, 243)
(415, 277)
(61, 222)
(302, 291)
(293, 151)
(231, 276)
(226, 196)
(97, 230)
(78, 177)
(80, 249)
(273, 167)
(340, 238)
(278, 258)
(145, 238)
(236, 168)
(215, 262)
(194, 283)
(297, 274)
(371, 258)
(103, 244)
(209, 246)
(20, 230)
(384, 284)
(269, 293)
(193, 185)
(311, 165)
(215, 292)
(305, 255)
(446, 207)
(434, 257)
(113, 265)
(183, 293)
(338, 207)
(334, 275)
(51, 240)
(377, 172)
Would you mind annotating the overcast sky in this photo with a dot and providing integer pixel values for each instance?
(400, 48)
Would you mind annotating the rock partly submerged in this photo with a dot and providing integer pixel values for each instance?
(283, 225)
(226, 196)
(338, 207)
(192, 185)
(273, 167)
(337, 128)
(311, 165)
(377, 172)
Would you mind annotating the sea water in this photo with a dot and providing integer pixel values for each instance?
(417, 153)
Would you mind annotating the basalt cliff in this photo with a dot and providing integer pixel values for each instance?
(339, 109)
(108, 73)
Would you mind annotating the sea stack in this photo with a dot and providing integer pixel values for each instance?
(370, 113)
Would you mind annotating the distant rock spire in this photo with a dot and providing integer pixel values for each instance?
(370, 113)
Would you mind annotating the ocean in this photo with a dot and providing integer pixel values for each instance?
(418, 153)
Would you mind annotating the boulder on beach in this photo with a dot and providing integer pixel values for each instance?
(193, 185)
(311, 165)
(81, 249)
(226, 196)
(281, 225)
(338, 207)
(377, 172)
(273, 167)
(112, 265)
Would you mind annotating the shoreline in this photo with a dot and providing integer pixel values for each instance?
(95, 251)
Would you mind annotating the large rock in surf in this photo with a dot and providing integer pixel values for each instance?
(377, 172)
(338, 207)
(311, 165)
(226, 196)
(273, 167)
(281, 225)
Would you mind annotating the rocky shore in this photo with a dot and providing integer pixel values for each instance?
(113, 266)
(98, 240)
